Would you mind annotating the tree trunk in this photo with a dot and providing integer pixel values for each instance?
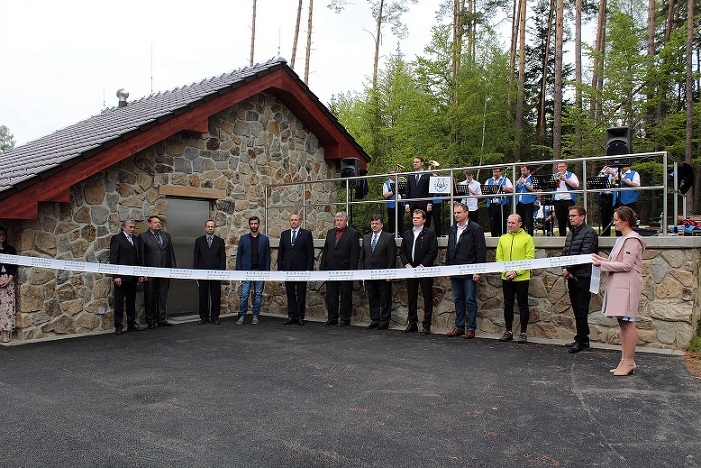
(378, 41)
(578, 72)
(598, 63)
(309, 42)
(294, 42)
(514, 39)
(557, 113)
(650, 123)
(662, 88)
(544, 81)
(521, 79)
(689, 93)
(253, 31)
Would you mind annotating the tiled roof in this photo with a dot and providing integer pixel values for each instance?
(83, 139)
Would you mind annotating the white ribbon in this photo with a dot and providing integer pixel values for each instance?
(336, 275)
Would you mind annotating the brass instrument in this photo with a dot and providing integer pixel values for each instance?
(432, 164)
(400, 168)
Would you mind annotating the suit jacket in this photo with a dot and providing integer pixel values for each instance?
(418, 190)
(244, 254)
(470, 248)
(299, 257)
(152, 254)
(426, 249)
(209, 258)
(123, 253)
(385, 254)
(624, 277)
(342, 256)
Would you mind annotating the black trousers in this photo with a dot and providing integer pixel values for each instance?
(126, 291)
(525, 211)
(210, 293)
(380, 299)
(296, 298)
(156, 299)
(412, 288)
(436, 214)
(579, 298)
(606, 210)
(400, 221)
(562, 213)
(519, 290)
(497, 216)
(346, 305)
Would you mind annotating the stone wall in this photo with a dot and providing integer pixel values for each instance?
(248, 146)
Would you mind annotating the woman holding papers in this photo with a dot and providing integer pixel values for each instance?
(624, 282)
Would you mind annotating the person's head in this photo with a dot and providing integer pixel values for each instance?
(562, 167)
(3, 236)
(525, 171)
(376, 222)
(624, 217)
(294, 221)
(418, 163)
(496, 172)
(340, 220)
(154, 223)
(209, 227)
(418, 218)
(469, 175)
(460, 213)
(391, 170)
(513, 223)
(577, 216)
(625, 169)
(128, 226)
(254, 224)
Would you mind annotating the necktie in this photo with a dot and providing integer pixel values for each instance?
(374, 242)
(209, 241)
(418, 176)
(159, 238)
(294, 236)
(131, 241)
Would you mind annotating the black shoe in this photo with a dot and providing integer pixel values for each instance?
(289, 321)
(426, 331)
(577, 347)
(215, 322)
(330, 322)
(118, 331)
(204, 322)
(344, 323)
(164, 323)
(584, 345)
(374, 325)
(412, 327)
(151, 326)
(135, 328)
(383, 326)
(300, 321)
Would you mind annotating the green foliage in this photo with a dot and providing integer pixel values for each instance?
(7, 139)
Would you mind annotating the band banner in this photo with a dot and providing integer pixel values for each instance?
(336, 275)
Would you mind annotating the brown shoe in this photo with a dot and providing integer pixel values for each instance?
(469, 334)
(455, 332)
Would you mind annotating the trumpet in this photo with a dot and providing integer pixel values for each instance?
(604, 172)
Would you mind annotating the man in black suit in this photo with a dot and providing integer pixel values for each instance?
(124, 251)
(419, 249)
(418, 187)
(210, 254)
(156, 251)
(296, 253)
(379, 252)
(341, 252)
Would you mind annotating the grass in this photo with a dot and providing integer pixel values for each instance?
(695, 345)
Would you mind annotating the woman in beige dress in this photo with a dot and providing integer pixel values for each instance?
(7, 289)
(624, 283)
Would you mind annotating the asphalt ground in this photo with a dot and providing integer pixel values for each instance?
(272, 395)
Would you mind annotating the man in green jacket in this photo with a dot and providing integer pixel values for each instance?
(516, 244)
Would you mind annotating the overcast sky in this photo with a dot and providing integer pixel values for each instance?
(63, 61)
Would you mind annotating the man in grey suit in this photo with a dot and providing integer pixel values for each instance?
(156, 251)
(379, 252)
(210, 254)
(341, 252)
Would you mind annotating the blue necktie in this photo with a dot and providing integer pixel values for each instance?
(209, 241)
(374, 242)
(294, 236)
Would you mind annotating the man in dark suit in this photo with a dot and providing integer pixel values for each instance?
(466, 246)
(418, 187)
(156, 251)
(419, 249)
(379, 252)
(210, 254)
(341, 252)
(253, 253)
(124, 251)
(296, 253)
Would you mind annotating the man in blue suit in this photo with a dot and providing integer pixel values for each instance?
(253, 254)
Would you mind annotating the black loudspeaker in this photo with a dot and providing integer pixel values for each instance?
(618, 141)
(361, 189)
(685, 177)
(350, 167)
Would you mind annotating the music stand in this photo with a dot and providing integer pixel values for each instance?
(544, 183)
(402, 187)
(599, 183)
(462, 189)
(491, 189)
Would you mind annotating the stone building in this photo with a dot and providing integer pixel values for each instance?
(206, 150)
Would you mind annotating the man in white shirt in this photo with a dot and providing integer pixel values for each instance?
(474, 189)
(564, 198)
(499, 207)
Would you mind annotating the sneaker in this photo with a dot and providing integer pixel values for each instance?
(255, 320)
(507, 336)
(523, 338)
(241, 320)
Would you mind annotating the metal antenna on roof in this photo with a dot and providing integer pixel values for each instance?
(278, 42)
(151, 67)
